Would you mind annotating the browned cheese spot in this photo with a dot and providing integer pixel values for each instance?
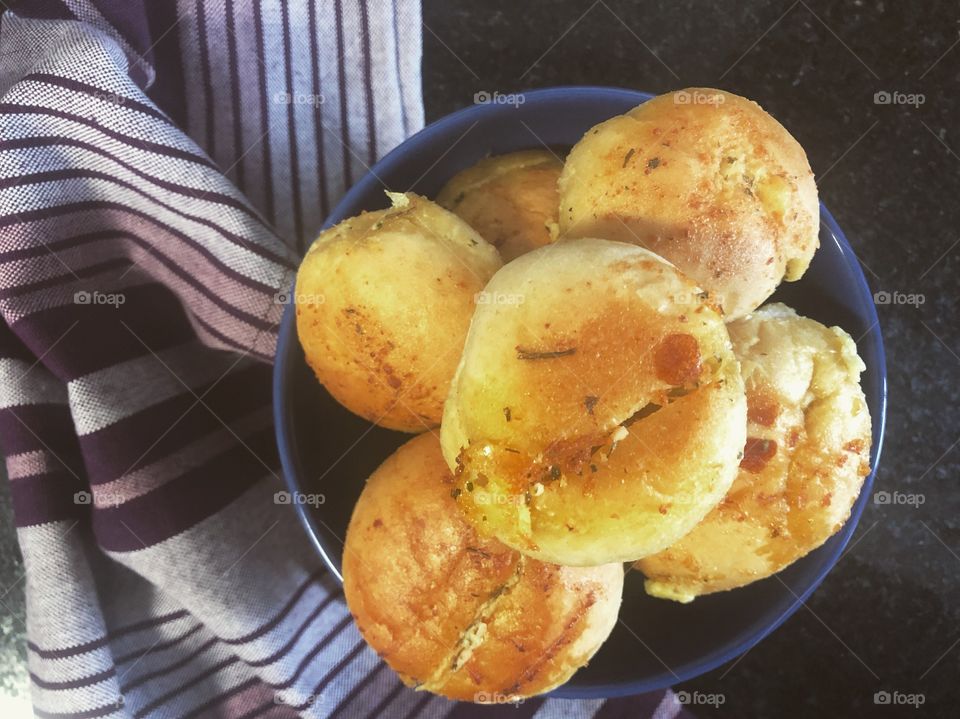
(677, 359)
(756, 453)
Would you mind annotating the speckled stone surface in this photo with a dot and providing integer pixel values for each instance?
(13, 630)
(887, 617)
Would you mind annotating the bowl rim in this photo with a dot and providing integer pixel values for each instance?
(873, 350)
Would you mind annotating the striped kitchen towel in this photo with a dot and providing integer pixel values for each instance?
(162, 166)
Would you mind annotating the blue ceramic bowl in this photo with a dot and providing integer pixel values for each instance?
(325, 448)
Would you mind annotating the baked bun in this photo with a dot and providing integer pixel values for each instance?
(599, 415)
(511, 200)
(458, 614)
(383, 305)
(807, 453)
(706, 179)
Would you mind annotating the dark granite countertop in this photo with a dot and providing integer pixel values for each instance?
(887, 617)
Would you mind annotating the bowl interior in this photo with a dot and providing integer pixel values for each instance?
(326, 449)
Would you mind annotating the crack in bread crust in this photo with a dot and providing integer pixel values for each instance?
(531, 672)
(473, 635)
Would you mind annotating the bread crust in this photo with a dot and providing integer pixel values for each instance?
(708, 180)
(599, 419)
(383, 304)
(807, 454)
(511, 200)
(453, 612)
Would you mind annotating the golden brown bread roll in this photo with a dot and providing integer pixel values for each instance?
(806, 457)
(706, 179)
(511, 200)
(457, 614)
(383, 305)
(600, 416)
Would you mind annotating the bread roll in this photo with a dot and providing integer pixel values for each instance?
(706, 179)
(511, 200)
(383, 305)
(807, 453)
(599, 416)
(458, 614)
